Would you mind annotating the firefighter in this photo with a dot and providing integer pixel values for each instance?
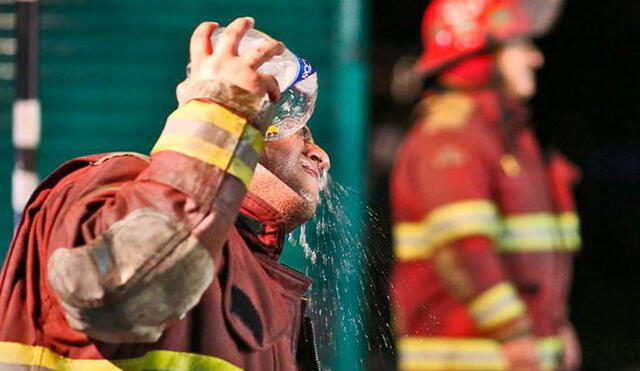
(483, 219)
(170, 262)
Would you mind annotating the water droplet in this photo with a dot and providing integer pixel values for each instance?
(308, 252)
(291, 238)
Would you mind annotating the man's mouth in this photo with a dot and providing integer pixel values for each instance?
(311, 170)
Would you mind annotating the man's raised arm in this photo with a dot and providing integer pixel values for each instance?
(128, 257)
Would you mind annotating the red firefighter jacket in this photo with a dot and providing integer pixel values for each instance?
(472, 188)
(249, 317)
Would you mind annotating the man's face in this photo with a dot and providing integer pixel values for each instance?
(517, 64)
(299, 163)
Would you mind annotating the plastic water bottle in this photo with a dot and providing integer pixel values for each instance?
(298, 84)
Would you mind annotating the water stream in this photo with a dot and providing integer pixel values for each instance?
(348, 254)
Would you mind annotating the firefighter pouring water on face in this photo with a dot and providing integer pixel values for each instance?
(169, 262)
(484, 224)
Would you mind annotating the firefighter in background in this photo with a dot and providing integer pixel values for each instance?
(484, 223)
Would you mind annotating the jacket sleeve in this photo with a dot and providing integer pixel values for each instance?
(451, 179)
(128, 257)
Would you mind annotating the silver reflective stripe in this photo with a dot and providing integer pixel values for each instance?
(203, 130)
(531, 232)
(487, 314)
(452, 356)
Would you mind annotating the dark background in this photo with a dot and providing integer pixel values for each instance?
(587, 107)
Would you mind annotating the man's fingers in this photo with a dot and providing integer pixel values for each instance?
(230, 39)
(263, 52)
(220, 60)
(270, 85)
(200, 44)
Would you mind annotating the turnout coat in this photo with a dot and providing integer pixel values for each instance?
(111, 267)
(484, 235)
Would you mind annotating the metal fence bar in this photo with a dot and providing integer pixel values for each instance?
(352, 105)
(26, 107)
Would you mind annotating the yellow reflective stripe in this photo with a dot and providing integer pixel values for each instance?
(212, 113)
(241, 170)
(244, 163)
(539, 232)
(418, 240)
(194, 147)
(254, 137)
(496, 306)
(444, 353)
(202, 130)
(206, 152)
(29, 355)
(421, 353)
(530, 232)
(570, 230)
(209, 144)
(550, 350)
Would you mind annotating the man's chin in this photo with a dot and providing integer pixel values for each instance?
(310, 204)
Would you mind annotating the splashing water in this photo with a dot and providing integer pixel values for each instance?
(348, 256)
(291, 239)
(308, 252)
(324, 180)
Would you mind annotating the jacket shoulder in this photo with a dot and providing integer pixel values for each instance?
(450, 111)
(119, 162)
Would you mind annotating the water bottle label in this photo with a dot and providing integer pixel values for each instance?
(305, 69)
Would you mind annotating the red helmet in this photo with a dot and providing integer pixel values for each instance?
(455, 30)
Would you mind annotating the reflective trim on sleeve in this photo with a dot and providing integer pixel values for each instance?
(40, 357)
(247, 154)
(526, 232)
(239, 164)
(203, 131)
(570, 230)
(212, 113)
(465, 354)
(496, 306)
(539, 232)
(447, 223)
(550, 349)
(530, 232)
(422, 353)
(241, 170)
(194, 147)
(254, 137)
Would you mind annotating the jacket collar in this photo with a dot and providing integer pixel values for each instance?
(496, 105)
(262, 225)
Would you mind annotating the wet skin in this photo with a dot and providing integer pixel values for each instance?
(300, 163)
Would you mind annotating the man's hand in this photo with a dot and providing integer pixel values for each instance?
(572, 355)
(522, 354)
(221, 61)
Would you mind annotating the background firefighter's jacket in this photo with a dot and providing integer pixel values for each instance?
(484, 234)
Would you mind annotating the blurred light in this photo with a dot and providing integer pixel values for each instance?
(406, 84)
(6, 71)
(7, 46)
(7, 21)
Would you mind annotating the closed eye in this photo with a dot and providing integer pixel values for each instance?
(306, 135)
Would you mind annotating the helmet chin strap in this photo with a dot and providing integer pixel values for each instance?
(293, 207)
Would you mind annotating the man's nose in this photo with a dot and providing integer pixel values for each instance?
(319, 156)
